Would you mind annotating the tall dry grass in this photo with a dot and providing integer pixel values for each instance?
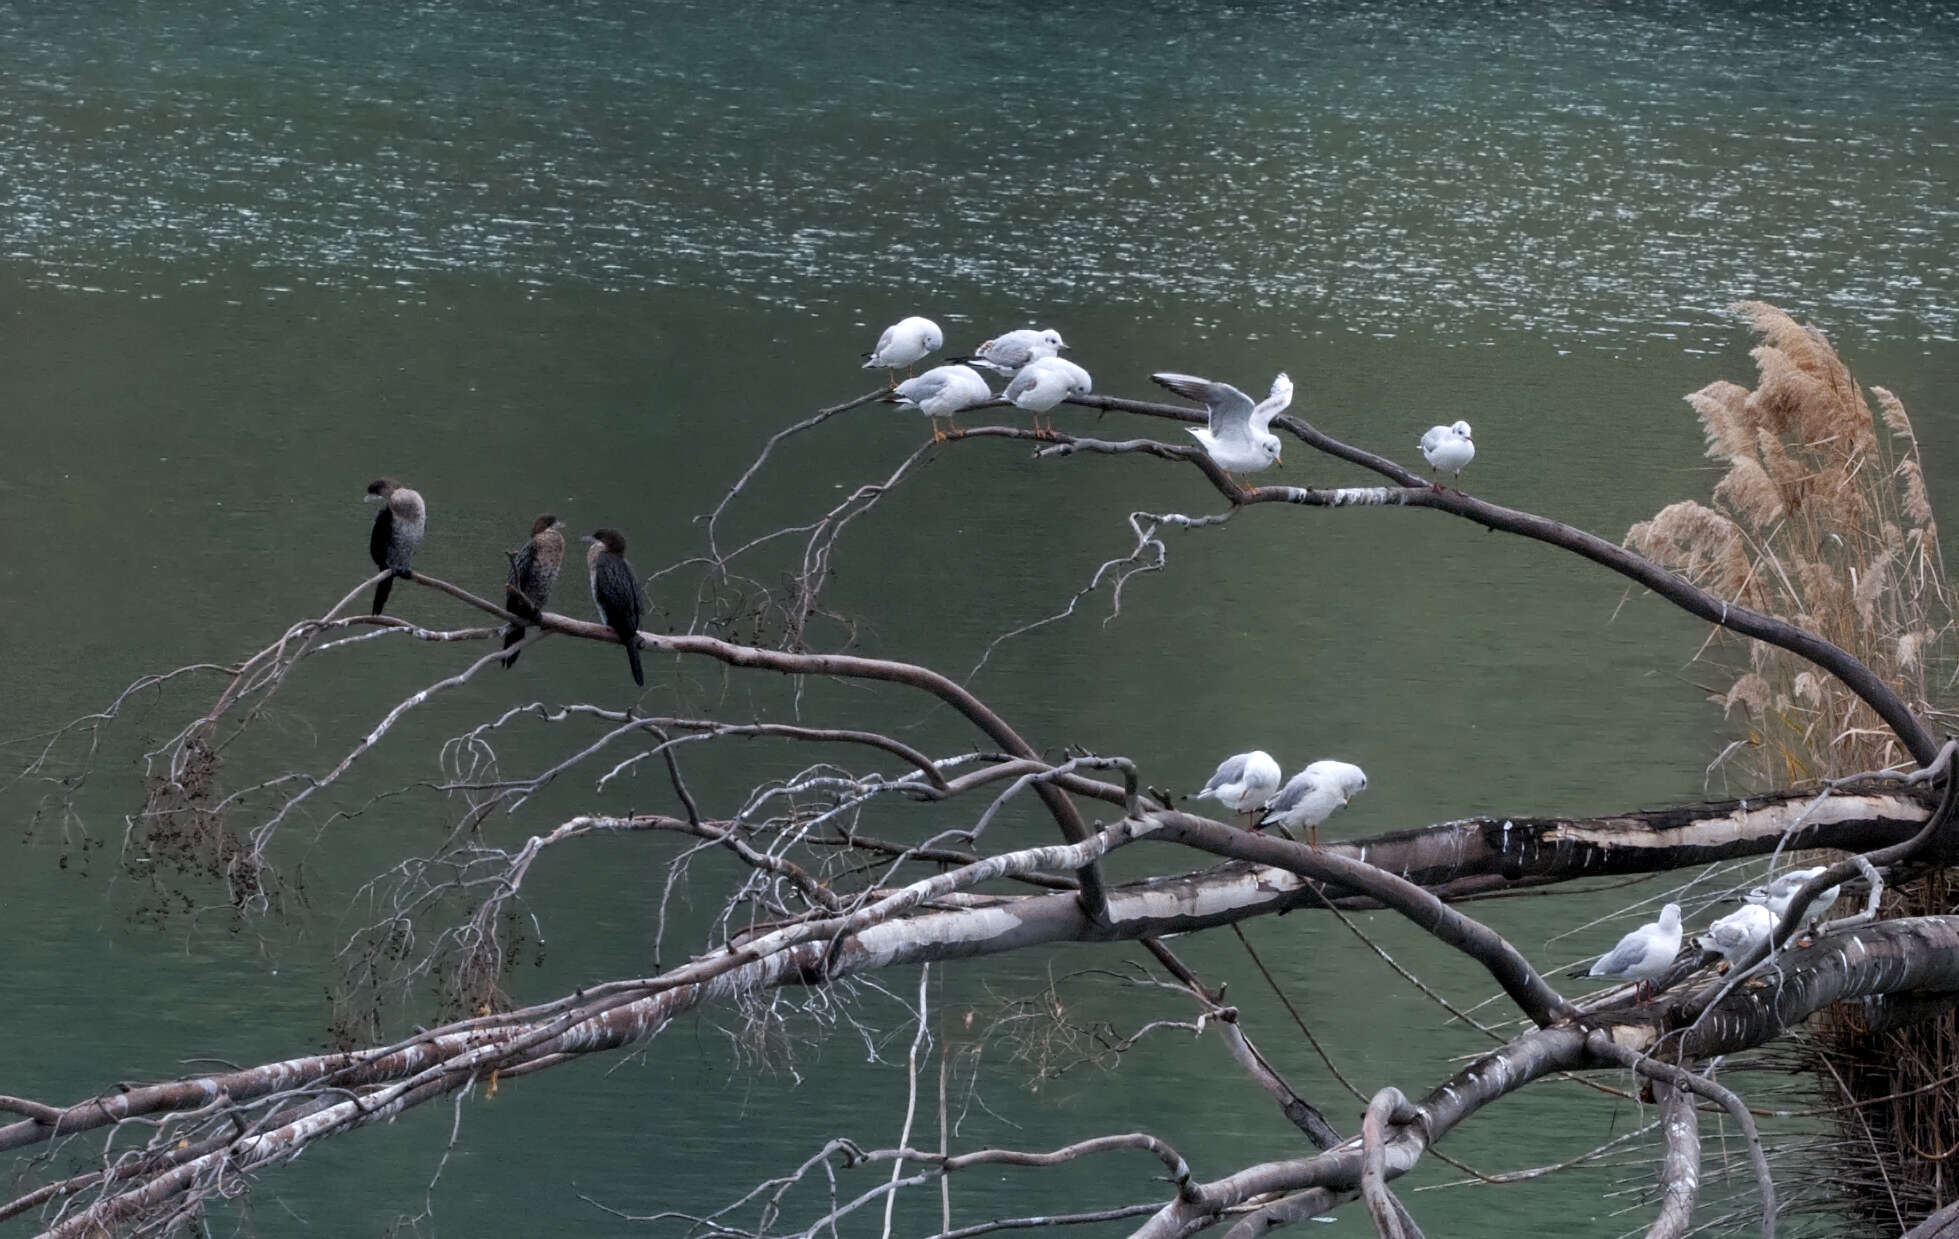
(1821, 518)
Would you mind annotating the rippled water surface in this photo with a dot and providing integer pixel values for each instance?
(587, 257)
(1590, 176)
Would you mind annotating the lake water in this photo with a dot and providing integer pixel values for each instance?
(587, 257)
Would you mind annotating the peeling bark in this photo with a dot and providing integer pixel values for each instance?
(1680, 1169)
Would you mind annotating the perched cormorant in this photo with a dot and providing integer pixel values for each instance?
(397, 532)
(615, 588)
(533, 571)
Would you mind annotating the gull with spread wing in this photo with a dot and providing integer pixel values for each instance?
(1238, 438)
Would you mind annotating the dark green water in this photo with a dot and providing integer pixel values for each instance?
(587, 257)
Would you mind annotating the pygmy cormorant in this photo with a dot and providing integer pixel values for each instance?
(615, 588)
(397, 532)
(533, 571)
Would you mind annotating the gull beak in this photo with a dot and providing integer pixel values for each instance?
(1279, 461)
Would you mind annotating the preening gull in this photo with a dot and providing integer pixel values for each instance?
(1313, 795)
(1009, 352)
(941, 392)
(1737, 933)
(1448, 447)
(1645, 954)
(1237, 438)
(1777, 895)
(1045, 383)
(1243, 783)
(903, 344)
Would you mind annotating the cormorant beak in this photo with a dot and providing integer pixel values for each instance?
(371, 497)
(588, 538)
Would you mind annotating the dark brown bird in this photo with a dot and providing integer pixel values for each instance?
(533, 572)
(615, 588)
(397, 532)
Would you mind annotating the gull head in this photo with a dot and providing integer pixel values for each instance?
(932, 337)
(1670, 915)
(1052, 339)
(1461, 428)
(1269, 447)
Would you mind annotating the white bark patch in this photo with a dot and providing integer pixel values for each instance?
(1361, 496)
(1746, 823)
(1635, 1037)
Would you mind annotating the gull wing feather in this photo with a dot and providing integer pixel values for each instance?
(1630, 951)
(1293, 793)
(922, 388)
(1231, 770)
(1230, 409)
(1273, 404)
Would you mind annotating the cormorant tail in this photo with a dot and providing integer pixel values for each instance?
(632, 656)
(381, 593)
(512, 634)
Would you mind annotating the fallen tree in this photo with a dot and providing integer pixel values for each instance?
(820, 900)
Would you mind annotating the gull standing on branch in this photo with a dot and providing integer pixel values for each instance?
(1448, 447)
(397, 532)
(1737, 933)
(941, 392)
(1045, 383)
(1243, 783)
(1313, 795)
(1008, 353)
(1645, 954)
(903, 344)
(1776, 896)
(1237, 438)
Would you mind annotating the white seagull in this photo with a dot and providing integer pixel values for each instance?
(1645, 954)
(941, 392)
(903, 344)
(1237, 438)
(1045, 383)
(1243, 783)
(1737, 933)
(1009, 352)
(1776, 896)
(1313, 795)
(1448, 447)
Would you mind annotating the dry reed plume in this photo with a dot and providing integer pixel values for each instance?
(1822, 519)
